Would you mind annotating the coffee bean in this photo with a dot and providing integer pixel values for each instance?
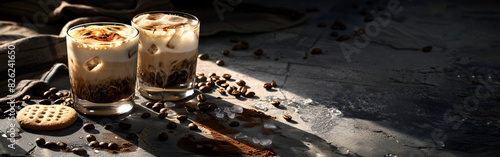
(190, 109)
(162, 115)
(51, 145)
(335, 27)
(342, 27)
(208, 147)
(200, 74)
(192, 126)
(45, 102)
(337, 22)
(316, 51)
(202, 106)
(343, 38)
(359, 32)
(124, 125)
(240, 82)
(236, 93)
(201, 98)
(150, 104)
(205, 88)
(108, 127)
(201, 79)
(380, 8)
(243, 90)
(158, 106)
(212, 74)
(225, 52)
(212, 107)
(182, 117)
(250, 94)
(103, 145)
(53, 90)
(275, 103)
(321, 24)
(287, 117)
(221, 90)
(334, 34)
(94, 144)
(145, 115)
(40, 141)
(59, 94)
(243, 42)
(60, 100)
(364, 12)
(234, 124)
(171, 125)
(88, 126)
(131, 136)
(200, 84)
(90, 137)
(234, 39)
(27, 98)
(354, 5)
(203, 56)
(267, 86)
(220, 62)
(229, 90)
(236, 47)
(66, 93)
(79, 151)
(258, 52)
(427, 49)
(113, 146)
(220, 82)
(61, 145)
(163, 136)
(224, 85)
(226, 76)
(368, 19)
(47, 94)
(165, 109)
(273, 83)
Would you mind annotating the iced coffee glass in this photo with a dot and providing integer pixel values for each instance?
(102, 62)
(168, 46)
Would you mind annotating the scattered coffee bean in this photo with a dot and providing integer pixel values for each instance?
(210, 83)
(60, 100)
(380, 8)
(342, 27)
(27, 98)
(131, 136)
(240, 82)
(66, 93)
(108, 127)
(203, 56)
(316, 51)
(220, 62)
(201, 79)
(103, 145)
(205, 88)
(158, 106)
(221, 90)
(337, 22)
(202, 106)
(113, 145)
(258, 52)
(51, 145)
(88, 126)
(321, 24)
(220, 82)
(287, 117)
(201, 98)
(225, 52)
(45, 102)
(94, 144)
(61, 145)
(208, 147)
(234, 39)
(163, 136)
(354, 5)
(368, 19)
(165, 109)
(150, 104)
(182, 117)
(427, 49)
(226, 76)
(199, 85)
(171, 125)
(243, 42)
(273, 83)
(334, 34)
(145, 115)
(79, 151)
(90, 137)
(224, 85)
(200, 74)
(40, 141)
(47, 94)
(250, 94)
(236, 47)
(212, 107)
(267, 86)
(229, 90)
(59, 94)
(192, 126)
(335, 27)
(190, 109)
(364, 12)
(275, 103)
(124, 125)
(243, 90)
(53, 90)
(236, 93)
(343, 38)
(162, 115)
(234, 124)
(359, 32)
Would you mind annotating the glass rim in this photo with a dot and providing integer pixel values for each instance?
(183, 14)
(136, 31)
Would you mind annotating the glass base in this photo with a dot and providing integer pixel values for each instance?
(103, 109)
(166, 94)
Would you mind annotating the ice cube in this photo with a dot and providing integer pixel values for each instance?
(231, 115)
(260, 106)
(390, 155)
(153, 49)
(176, 38)
(227, 110)
(269, 125)
(169, 104)
(308, 101)
(255, 140)
(237, 109)
(217, 110)
(171, 113)
(342, 150)
(219, 115)
(155, 16)
(240, 136)
(265, 142)
(93, 63)
(271, 98)
(132, 52)
(177, 19)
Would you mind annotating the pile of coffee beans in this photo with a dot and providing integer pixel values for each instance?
(220, 84)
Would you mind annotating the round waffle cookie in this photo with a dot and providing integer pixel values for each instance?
(46, 117)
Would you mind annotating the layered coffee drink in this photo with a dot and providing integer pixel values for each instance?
(168, 46)
(102, 62)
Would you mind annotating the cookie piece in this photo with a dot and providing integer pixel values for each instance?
(46, 117)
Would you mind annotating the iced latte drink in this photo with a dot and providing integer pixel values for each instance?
(102, 62)
(168, 46)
